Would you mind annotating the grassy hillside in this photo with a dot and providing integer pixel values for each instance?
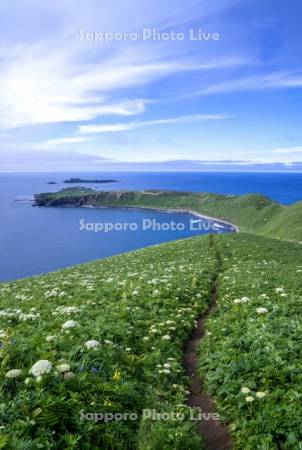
(110, 336)
(251, 359)
(253, 213)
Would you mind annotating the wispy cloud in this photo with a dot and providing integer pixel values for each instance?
(61, 142)
(40, 87)
(38, 90)
(54, 77)
(278, 80)
(112, 128)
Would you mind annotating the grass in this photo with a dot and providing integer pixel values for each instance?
(252, 213)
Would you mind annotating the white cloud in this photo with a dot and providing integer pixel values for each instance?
(111, 128)
(278, 80)
(41, 86)
(48, 75)
(39, 89)
(53, 143)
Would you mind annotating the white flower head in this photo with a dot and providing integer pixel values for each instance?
(245, 390)
(260, 394)
(69, 324)
(40, 368)
(249, 399)
(63, 368)
(92, 344)
(14, 373)
(166, 337)
(68, 375)
(262, 310)
(279, 290)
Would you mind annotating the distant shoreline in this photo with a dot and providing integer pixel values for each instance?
(182, 210)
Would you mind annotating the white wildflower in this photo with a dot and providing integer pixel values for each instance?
(245, 390)
(279, 290)
(63, 368)
(68, 375)
(41, 367)
(262, 310)
(166, 337)
(14, 373)
(260, 394)
(92, 344)
(69, 324)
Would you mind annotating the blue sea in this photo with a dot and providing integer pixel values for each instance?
(37, 240)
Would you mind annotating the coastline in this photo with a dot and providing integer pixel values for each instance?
(172, 210)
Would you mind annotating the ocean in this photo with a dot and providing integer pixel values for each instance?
(38, 240)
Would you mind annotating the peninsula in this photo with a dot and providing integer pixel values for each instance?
(253, 213)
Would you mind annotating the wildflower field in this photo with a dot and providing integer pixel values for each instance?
(251, 358)
(108, 337)
(101, 337)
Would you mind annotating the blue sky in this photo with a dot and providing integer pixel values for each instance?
(68, 100)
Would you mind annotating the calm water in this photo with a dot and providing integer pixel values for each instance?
(38, 240)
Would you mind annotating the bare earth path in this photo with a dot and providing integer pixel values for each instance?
(214, 433)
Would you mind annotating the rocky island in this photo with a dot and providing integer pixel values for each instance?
(80, 180)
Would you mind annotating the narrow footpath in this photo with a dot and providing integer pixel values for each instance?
(214, 433)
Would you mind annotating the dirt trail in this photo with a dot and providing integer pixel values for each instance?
(214, 433)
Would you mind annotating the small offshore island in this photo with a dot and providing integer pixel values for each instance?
(79, 180)
(254, 213)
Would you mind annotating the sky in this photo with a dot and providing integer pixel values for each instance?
(150, 84)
